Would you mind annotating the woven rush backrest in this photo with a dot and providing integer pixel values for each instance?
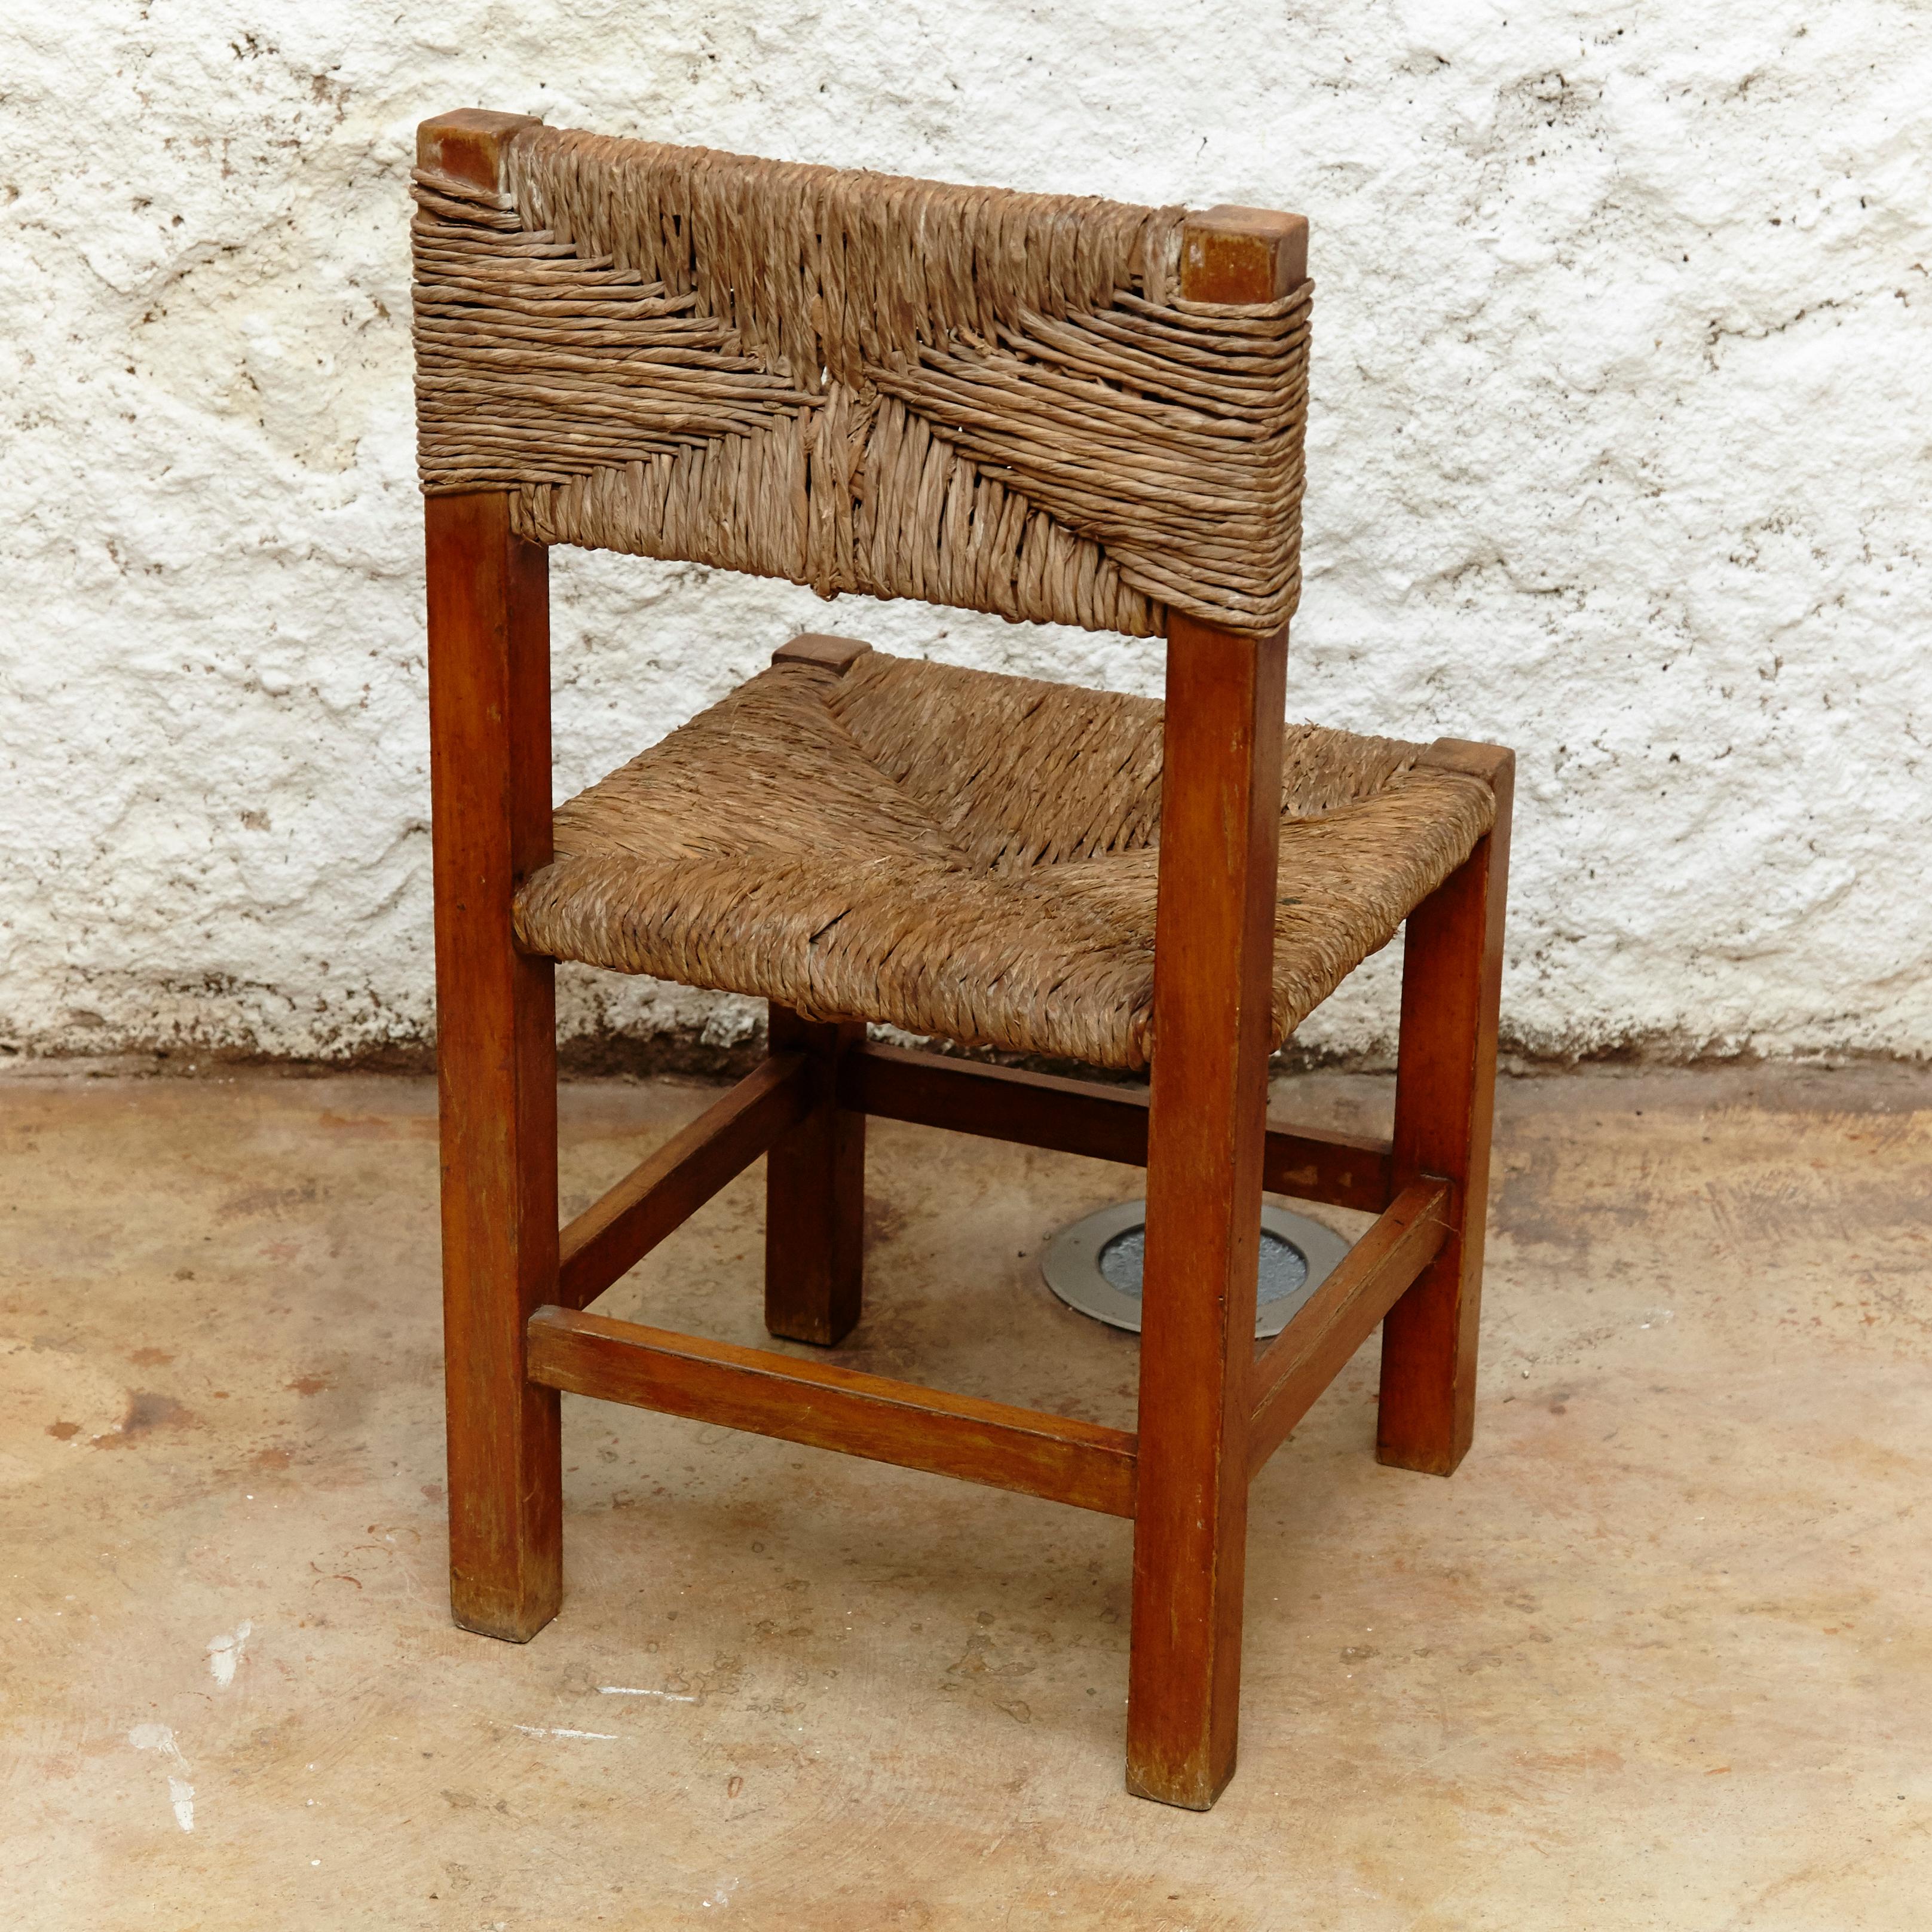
(859, 382)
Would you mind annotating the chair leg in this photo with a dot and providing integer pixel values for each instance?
(1220, 818)
(815, 1197)
(495, 1061)
(1445, 1097)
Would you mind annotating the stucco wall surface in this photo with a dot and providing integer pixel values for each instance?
(1619, 454)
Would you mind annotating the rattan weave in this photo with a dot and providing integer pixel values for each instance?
(977, 398)
(966, 855)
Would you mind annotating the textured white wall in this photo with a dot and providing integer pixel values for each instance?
(1619, 454)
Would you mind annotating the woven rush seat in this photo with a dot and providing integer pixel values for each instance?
(862, 836)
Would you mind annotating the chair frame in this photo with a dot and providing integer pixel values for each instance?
(518, 1325)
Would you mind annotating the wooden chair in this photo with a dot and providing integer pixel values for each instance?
(1052, 409)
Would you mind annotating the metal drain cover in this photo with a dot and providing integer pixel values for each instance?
(1095, 1265)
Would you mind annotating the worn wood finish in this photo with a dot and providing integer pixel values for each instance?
(1342, 1314)
(1220, 804)
(490, 778)
(821, 648)
(1235, 254)
(719, 1382)
(660, 1193)
(467, 143)
(1211, 1414)
(815, 1195)
(1445, 1097)
(1213, 944)
(489, 685)
(1087, 1117)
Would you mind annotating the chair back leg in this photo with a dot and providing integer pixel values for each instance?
(1214, 947)
(815, 1195)
(1207, 1130)
(1445, 1100)
(490, 782)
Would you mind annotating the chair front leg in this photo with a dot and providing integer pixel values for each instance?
(489, 778)
(1445, 1101)
(1214, 933)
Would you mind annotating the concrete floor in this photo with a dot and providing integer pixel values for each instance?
(1658, 1656)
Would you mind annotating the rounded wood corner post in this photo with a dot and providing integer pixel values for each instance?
(468, 143)
(1214, 982)
(490, 785)
(1444, 1108)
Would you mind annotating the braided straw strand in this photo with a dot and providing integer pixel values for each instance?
(861, 383)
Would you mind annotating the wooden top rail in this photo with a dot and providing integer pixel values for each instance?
(1308, 1354)
(769, 1394)
(1084, 1117)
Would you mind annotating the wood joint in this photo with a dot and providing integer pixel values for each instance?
(1308, 1354)
(1494, 764)
(1090, 1118)
(1231, 254)
(612, 1235)
(885, 1421)
(469, 143)
(815, 647)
